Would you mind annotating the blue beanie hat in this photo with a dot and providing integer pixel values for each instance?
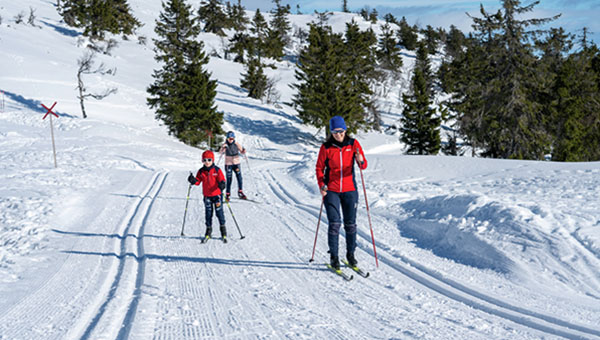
(337, 122)
(230, 134)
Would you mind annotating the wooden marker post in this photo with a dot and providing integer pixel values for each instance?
(51, 129)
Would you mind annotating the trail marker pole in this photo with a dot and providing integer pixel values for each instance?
(51, 128)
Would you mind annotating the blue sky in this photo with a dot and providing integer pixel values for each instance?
(576, 14)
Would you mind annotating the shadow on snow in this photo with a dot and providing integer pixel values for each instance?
(34, 105)
(438, 224)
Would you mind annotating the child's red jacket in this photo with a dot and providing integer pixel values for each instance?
(210, 178)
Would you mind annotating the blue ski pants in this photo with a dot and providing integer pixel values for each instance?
(229, 170)
(217, 202)
(348, 201)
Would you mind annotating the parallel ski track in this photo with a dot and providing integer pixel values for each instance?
(455, 290)
(133, 227)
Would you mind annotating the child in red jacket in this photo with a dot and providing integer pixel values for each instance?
(213, 182)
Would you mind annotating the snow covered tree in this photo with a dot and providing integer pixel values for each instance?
(183, 93)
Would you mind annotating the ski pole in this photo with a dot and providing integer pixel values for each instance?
(233, 216)
(220, 156)
(247, 162)
(317, 233)
(186, 206)
(368, 214)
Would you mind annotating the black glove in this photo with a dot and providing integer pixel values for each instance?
(222, 185)
(192, 179)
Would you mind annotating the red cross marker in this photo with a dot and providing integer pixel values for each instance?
(51, 129)
(49, 111)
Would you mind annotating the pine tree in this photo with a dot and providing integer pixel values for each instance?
(213, 17)
(237, 17)
(432, 38)
(317, 98)
(260, 32)
(333, 74)
(420, 122)
(239, 44)
(254, 80)
(278, 36)
(359, 62)
(98, 17)
(497, 87)
(345, 6)
(388, 52)
(455, 42)
(407, 35)
(183, 93)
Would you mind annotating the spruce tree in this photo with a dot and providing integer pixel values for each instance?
(213, 17)
(238, 18)
(407, 35)
(239, 44)
(254, 80)
(260, 32)
(420, 122)
(455, 42)
(98, 17)
(333, 77)
(183, 93)
(388, 52)
(317, 98)
(345, 6)
(497, 87)
(359, 73)
(278, 36)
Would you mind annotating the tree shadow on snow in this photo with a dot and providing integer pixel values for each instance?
(282, 133)
(64, 31)
(34, 105)
(430, 228)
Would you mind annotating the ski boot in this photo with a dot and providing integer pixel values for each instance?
(241, 195)
(223, 234)
(335, 262)
(207, 235)
(227, 196)
(351, 259)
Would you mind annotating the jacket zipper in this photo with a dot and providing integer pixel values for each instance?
(341, 170)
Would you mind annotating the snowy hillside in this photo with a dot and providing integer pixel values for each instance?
(468, 248)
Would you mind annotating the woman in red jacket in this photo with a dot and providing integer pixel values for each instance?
(213, 183)
(335, 175)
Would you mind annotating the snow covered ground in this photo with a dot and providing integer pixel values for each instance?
(468, 248)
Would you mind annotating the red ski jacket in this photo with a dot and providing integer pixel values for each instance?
(210, 179)
(335, 164)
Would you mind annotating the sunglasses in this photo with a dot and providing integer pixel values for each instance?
(337, 132)
(207, 159)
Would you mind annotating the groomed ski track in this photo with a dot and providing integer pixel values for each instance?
(139, 279)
